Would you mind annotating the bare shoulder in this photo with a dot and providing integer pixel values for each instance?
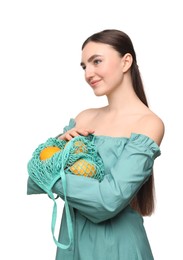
(85, 116)
(152, 126)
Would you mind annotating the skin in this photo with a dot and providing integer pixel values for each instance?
(107, 73)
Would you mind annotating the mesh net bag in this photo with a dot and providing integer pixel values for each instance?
(44, 171)
(81, 158)
(54, 159)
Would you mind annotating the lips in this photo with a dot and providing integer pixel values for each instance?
(93, 83)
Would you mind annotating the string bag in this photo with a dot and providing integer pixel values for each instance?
(54, 159)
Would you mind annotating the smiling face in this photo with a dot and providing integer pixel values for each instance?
(104, 67)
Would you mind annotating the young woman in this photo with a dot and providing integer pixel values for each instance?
(107, 216)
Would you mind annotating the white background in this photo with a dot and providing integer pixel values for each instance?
(42, 86)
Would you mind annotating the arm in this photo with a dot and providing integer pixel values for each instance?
(67, 136)
(68, 133)
(41, 175)
(33, 188)
(101, 201)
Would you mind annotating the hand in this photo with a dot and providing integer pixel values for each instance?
(67, 136)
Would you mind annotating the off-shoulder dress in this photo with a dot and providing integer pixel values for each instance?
(105, 226)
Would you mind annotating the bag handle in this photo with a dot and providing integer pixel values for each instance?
(65, 157)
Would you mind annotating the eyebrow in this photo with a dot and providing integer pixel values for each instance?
(91, 58)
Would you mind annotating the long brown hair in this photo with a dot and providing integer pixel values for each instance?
(143, 202)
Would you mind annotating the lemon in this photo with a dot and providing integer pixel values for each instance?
(80, 147)
(48, 152)
(84, 168)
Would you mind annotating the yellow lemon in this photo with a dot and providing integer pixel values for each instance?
(48, 152)
(80, 147)
(84, 168)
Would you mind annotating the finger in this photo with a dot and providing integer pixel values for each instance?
(85, 132)
(70, 135)
(90, 131)
(75, 132)
(65, 137)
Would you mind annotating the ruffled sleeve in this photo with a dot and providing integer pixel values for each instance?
(71, 124)
(102, 201)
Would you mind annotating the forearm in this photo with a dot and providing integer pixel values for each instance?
(101, 201)
(33, 188)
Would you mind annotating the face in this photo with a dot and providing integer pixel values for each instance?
(103, 67)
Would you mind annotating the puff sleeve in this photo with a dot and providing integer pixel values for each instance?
(101, 201)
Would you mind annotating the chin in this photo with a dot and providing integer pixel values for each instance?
(99, 94)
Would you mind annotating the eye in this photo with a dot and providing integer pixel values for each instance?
(83, 67)
(97, 61)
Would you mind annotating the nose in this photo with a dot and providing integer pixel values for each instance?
(89, 73)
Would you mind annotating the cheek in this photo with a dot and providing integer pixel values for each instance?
(108, 70)
(114, 72)
(115, 66)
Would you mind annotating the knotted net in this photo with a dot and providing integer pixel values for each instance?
(55, 158)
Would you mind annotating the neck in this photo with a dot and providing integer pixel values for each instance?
(123, 98)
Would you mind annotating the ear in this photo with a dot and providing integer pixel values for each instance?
(127, 62)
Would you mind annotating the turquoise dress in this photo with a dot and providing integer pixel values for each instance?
(105, 226)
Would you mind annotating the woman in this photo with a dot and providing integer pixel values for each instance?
(107, 216)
